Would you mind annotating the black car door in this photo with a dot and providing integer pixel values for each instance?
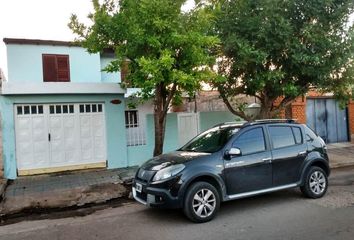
(252, 169)
(289, 152)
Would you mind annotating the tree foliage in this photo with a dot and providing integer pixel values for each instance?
(274, 49)
(168, 50)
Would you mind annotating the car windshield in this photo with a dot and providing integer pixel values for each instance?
(211, 140)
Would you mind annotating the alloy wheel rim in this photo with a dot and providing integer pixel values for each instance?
(317, 182)
(204, 203)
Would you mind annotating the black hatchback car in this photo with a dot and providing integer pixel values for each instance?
(232, 161)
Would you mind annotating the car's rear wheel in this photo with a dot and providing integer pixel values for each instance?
(315, 184)
(202, 202)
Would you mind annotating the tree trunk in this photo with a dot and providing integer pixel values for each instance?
(266, 108)
(160, 124)
(159, 118)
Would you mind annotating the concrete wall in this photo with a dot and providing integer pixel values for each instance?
(25, 64)
(116, 138)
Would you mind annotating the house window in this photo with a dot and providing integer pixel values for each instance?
(135, 128)
(56, 68)
(131, 118)
(90, 108)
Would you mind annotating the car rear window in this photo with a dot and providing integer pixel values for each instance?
(282, 136)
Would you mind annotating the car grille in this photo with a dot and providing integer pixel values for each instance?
(145, 175)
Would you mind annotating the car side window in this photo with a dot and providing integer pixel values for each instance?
(251, 141)
(297, 134)
(281, 136)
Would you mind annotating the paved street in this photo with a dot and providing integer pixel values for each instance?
(281, 215)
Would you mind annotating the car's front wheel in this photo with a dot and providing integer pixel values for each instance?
(202, 202)
(315, 184)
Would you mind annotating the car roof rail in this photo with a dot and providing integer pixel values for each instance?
(278, 120)
(238, 123)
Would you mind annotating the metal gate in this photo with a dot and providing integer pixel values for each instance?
(327, 119)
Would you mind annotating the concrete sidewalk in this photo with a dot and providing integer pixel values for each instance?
(341, 154)
(66, 189)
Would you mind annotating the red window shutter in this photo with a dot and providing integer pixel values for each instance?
(49, 68)
(56, 68)
(63, 68)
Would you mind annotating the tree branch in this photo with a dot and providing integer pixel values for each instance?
(231, 109)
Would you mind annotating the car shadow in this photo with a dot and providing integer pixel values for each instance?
(176, 216)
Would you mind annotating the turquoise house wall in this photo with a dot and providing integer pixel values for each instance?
(139, 154)
(116, 136)
(25, 64)
(108, 77)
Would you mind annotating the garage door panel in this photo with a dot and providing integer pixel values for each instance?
(98, 132)
(58, 158)
(55, 122)
(54, 135)
(85, 121)
(24, 123)
(85, 132)
(71, 157)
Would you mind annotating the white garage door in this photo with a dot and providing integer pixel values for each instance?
(59, 135)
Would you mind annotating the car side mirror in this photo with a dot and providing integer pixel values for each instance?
(233, 152)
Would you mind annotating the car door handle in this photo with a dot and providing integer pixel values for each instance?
(267, 159)
(302, 153)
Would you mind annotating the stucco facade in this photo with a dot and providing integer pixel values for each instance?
(88, 85)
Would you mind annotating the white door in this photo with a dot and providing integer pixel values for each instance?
(188, 127)
(32, 145)
(59, 135)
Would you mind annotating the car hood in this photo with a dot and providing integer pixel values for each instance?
(172, 158)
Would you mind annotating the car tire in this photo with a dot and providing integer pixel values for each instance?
(201, 202)
(315, 183)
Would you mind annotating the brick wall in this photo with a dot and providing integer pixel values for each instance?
(351, 118)
(298, 110)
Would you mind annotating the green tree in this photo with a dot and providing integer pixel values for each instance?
(280, 49)
(169, 51)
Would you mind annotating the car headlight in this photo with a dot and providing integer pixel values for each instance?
(168, 172)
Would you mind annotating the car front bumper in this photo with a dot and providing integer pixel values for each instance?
(155, 197)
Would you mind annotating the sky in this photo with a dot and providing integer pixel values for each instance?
(38, 19)
(41, 19)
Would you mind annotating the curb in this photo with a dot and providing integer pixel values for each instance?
(75, 198)
(340, 165)
(3, 185)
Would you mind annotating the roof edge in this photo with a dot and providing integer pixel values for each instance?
(40, 42)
